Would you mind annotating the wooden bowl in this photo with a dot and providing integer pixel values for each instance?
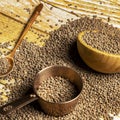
(98, 60)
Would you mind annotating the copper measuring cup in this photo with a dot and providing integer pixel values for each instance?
(55, 109)
(10, 57)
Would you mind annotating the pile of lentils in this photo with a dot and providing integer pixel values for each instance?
(4, 65)
(105, 42)
(100, 96)
(57, 89)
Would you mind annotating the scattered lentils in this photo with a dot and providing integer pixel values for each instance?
(101, 93)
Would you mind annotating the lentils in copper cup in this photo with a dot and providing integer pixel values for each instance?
(57, 89)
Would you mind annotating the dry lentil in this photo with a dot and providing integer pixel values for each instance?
(51, 8)
(108, 19)
(40, 20)
(50, 26)
(100, 2)
(36, 21)
(69, 4)
(101, 93)
(57, 89)
(56, 24)
(102, 41)
(68, 20)
(48, 20)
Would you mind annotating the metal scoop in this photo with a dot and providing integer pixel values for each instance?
(51, 108)
(10, 57)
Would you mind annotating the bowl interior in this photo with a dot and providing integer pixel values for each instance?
(80, 39)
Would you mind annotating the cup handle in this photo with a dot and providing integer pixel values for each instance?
(10, 107)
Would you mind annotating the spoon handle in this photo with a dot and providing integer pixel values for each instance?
(28, 25)
(10, 107)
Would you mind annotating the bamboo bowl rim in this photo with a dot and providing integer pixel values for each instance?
(80, 39)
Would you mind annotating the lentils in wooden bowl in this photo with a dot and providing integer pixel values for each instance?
(100, 50)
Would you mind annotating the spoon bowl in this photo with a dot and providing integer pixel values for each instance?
(11, 64)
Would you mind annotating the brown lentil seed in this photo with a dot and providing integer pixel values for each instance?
(50, 26)
(108, 19)
(69, 4)
(51, 8)
(48, 20)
